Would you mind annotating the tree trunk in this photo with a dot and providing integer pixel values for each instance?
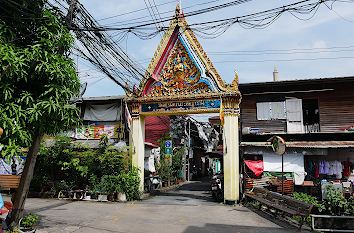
(25, 182)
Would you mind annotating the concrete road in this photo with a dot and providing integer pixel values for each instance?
(189, 209)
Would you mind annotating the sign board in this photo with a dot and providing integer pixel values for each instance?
(181, 106)
(168, 144)
(168, 147)
(168, 151)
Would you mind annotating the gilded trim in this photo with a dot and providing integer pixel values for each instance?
(179, 20)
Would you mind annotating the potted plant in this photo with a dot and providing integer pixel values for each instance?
(29, 223)
(121, 196)
(109, 185)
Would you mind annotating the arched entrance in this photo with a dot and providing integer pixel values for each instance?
(182, 80)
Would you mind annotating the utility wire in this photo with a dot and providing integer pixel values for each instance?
(214, 28)
(285, 60)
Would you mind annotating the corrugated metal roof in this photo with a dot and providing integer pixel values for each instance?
(313, 80)
(102, 98)
(320, 144)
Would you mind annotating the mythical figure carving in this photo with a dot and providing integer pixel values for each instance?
(180, 76)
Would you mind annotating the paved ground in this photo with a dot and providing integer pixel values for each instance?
(189, 209)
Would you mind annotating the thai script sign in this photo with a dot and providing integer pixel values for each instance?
(181, 106)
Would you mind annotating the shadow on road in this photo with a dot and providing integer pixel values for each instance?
(36, 210)
(235, 228)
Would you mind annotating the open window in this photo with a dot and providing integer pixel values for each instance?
(311, 115)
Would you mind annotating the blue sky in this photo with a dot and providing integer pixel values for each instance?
(327, 29)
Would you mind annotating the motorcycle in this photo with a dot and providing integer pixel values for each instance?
(217, 187)
(152, 182)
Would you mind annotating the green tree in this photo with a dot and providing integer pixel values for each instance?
(37, 78)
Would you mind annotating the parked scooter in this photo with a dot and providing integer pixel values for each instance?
(152, 182)
(217, 187)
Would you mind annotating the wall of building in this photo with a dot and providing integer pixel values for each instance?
(249, 117)
(336, 109)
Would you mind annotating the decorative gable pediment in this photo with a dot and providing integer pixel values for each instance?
(181, 69)
(180, 76)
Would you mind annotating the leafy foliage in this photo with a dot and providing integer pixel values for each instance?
(106, 169)
(350, 206)
(335, 203)
(166, 168)
(129, 183)
(110, 184)
(37, 76)
(30, 220)
(309, 200)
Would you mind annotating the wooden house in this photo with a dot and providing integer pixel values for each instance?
(314, 116)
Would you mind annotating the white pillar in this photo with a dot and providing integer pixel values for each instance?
(138, 146)
(231, 158)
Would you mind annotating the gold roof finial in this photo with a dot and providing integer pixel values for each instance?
(236, 75)
(178, 7)
(234, 85)
(275, 68)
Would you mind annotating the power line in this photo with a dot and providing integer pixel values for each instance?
(189, 14)
(165, 12)
(284, 60)
(148, 7)
(167, 19)
(284, 50)
(214, 28)
(135, 11)
(279, 53)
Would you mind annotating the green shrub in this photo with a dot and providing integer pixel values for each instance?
(169, 169)
(110, 184)
(307, 199)
(349, 209)
(129, 183)
(335, 204)
(63, 167)
(30, 220)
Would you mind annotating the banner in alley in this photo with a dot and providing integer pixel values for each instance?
(97, 131)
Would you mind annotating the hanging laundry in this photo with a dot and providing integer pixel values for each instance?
(347, 166)
(317, 172)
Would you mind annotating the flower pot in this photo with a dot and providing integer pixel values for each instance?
(122, 197)
(28, 223)
(164, 184)
(28, 230)
(102, 197)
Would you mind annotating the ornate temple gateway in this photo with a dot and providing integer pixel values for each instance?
(182, 80)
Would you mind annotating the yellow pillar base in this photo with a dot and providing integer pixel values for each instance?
(231, 159)
(137, 141)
